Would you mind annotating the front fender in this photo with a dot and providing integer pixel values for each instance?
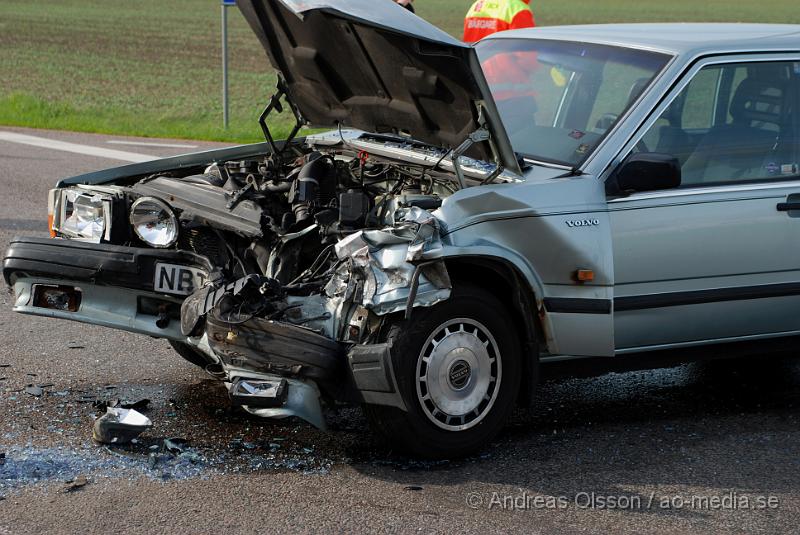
(575, 320)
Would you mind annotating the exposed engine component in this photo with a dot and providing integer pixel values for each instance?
(310, 252)
(313, 190)
(277, 217)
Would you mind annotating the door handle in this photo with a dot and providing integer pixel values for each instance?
(788, 206)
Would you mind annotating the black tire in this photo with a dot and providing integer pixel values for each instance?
(420, 431)
(189, 353)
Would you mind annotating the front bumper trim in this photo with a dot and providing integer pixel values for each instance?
(107, 306)
(97, 263)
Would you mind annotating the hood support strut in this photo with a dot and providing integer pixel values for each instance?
(480, 135)
(275, 104)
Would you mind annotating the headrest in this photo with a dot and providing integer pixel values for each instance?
(757, 99)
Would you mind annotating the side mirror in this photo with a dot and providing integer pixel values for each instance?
(645, 171)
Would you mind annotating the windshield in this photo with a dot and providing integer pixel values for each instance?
(558, 99)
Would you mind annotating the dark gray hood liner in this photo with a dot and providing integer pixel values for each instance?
(373, 65)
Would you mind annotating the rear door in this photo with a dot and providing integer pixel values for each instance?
(718, 258)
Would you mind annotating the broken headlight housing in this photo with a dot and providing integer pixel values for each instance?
(83, 215)
(154, 222)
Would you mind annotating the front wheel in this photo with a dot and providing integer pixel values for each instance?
(458, 371)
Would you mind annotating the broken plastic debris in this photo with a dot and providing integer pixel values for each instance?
(119, 426)
(141, 405)
(75, 345)
(175, 445)
(75, 484)
(35, 391)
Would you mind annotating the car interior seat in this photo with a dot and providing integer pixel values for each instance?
(745, 147)
(607, 120)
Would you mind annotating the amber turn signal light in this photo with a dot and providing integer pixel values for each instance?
(584, 275)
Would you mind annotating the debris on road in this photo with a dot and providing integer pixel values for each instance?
(75, 345)
(176, 445)
(191, 456)
(26, 465)
(119, 426)
(35, 391)
(75, 484)
(141, 405)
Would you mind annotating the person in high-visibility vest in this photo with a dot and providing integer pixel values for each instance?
(406, 4)
(509, 74)
(486, 17)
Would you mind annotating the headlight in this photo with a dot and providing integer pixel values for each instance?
(83, 215)
(154, 222)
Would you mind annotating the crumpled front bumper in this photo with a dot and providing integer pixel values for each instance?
(98, 263)
(115, 282)
(117, 291)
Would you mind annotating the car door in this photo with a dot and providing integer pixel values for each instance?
(718, 258)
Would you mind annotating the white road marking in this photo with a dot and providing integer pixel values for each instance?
(151, 144)
(46, 143)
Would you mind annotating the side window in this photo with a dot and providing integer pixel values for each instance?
(701, 97)
(733, 123)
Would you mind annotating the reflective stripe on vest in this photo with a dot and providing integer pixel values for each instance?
(486, 17)
(496, 9)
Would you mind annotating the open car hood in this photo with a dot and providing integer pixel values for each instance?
(375, 66)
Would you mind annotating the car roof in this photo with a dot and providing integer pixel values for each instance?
(673, 38)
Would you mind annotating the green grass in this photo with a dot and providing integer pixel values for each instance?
(152, 67)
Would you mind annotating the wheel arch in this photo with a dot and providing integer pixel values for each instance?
(506, 281)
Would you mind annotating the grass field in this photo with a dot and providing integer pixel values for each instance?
(152, 67)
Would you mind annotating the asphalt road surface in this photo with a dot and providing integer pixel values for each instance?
(704, 447)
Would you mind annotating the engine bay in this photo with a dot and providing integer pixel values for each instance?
(310, 249)
(283, 217)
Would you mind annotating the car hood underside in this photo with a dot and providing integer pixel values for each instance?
(377, 67)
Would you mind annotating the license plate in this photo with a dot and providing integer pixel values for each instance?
(175, 279)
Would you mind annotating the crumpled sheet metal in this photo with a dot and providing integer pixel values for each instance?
(386, 259)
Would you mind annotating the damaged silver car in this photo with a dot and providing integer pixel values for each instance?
(473, 212)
